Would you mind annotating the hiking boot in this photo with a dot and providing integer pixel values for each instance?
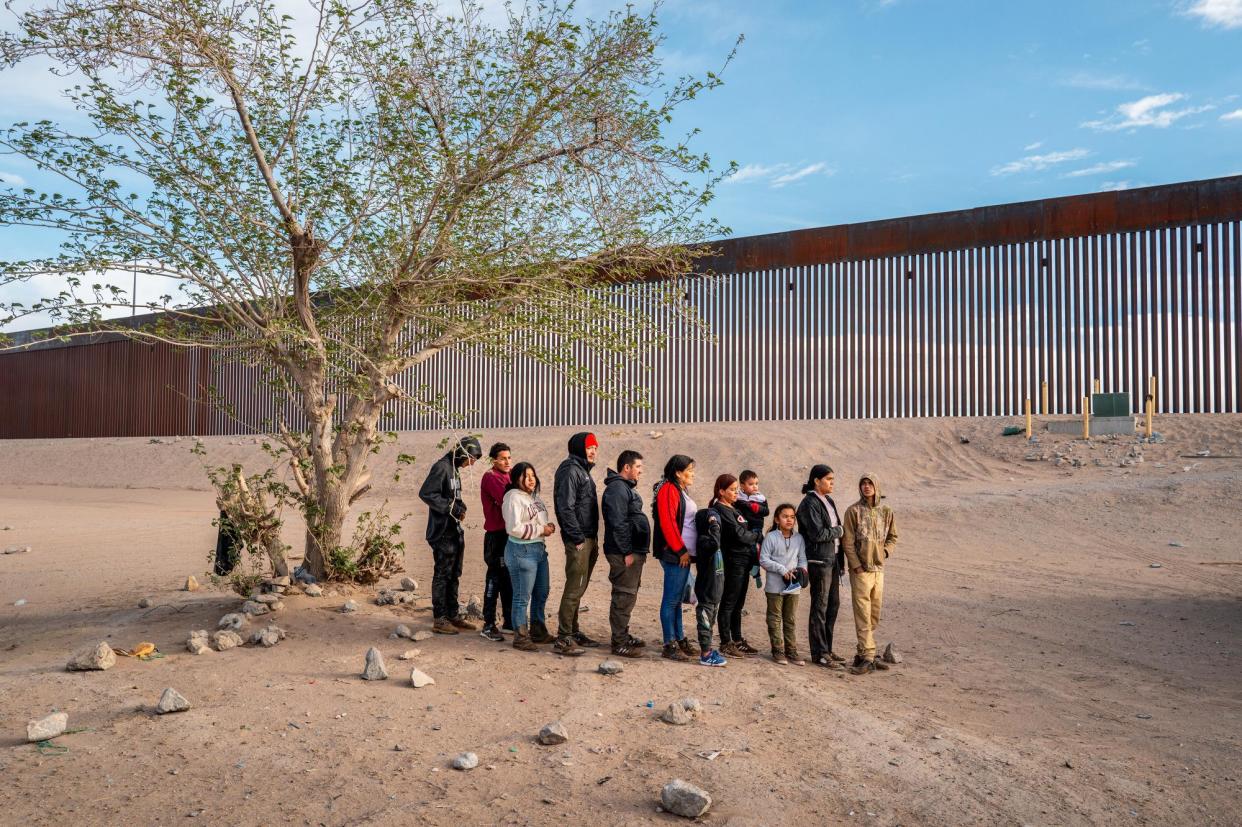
(583, 640)
(492, 633)
(522, 641)
(730, 650)
(539, 633)
(833, 656)
(792, 656)
(779, 659)
(826, 661)
(745, 648)
(673, 652)
(461, 623)
(443, 626)
(862, 667)
(880, 665)
(566, 646)
(712, 658)
(627, 650)
(686, 649)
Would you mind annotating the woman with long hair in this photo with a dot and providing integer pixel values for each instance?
(526, 556)
(737, 548)
(675, 539)
(819, 523)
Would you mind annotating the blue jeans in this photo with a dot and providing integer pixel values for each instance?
(528, 569)
(675, 579)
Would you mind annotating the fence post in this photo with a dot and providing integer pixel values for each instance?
(1086, 417)
(1043, 400)
(1028, 417)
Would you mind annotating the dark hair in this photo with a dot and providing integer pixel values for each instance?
(496, 450)
(675, 465)
(776, 512)
(467, 448)
(519, 471)
(747, 476)
(722, 482)
(817, 473)
(627, 458)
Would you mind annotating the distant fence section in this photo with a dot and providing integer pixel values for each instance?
(966, 313)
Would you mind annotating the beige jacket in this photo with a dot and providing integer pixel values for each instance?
(870, 531)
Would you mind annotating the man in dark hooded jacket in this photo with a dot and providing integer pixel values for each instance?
(577, 510)
(627, 538)
(441, 492)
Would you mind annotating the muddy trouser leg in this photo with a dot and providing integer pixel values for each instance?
(625, 581)
(708, 591)
(578, 565)
(820, 575)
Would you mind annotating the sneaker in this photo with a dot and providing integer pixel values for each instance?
(686, 649)
(673, 652)
(712, 658)
(731, 650)
(443, 626)
(583, 640)
(522, 641)
(792, 656)
(865, 667)
(826, 661)
(626, 650)
(492, 633)
(566, 646)
(461, 623)
(636, 642)
(745, 648)
(833, 656)
(779, 659)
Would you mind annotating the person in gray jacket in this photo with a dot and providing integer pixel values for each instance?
(783, 557)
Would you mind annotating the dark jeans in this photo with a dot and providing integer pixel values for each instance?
(497, 582)
(736, 581)
(708, 589)
(625, 581)
(448, 551)
(825, 602)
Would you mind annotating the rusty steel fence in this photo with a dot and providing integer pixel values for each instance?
(953, 314)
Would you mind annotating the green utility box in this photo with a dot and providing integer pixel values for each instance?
(1110, 404)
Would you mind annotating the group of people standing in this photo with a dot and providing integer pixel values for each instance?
(810, 545)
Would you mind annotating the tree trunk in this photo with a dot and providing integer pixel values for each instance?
(326, 532)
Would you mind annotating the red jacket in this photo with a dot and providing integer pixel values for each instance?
(670, 512)
(492, 490)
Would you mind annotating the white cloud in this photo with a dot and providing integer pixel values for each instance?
(751, 172)
(1093, 80)
(1235, 115)
(1032, 147)
(799, 174)
(1114, 186)
(1152, 110)
(1224, 13)
(11, 179)
(1099, 169)
(1035, 163)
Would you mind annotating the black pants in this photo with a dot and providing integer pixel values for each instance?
(825, 603)
(497, 582)
(448, 551)
(736, 581)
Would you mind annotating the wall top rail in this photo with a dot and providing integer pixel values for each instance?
(1147, 208)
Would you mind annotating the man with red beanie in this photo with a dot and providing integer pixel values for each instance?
(577, 511)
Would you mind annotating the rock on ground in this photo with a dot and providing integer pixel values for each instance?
(266, 599)
(171, 701)
(410, 654)
(225, 640)
(191, 585)
(409, 584)
(421, 634)
(312, 590)
(420, 679)
(267, 636)
(374, 669)
(891, 655)
(233, 621)
(144, 603)
(553, 733)
(41, 729)
(254, 609)
(611, 667)
(350, 606)
(198, 643)
(388, 597)
(466, 761)
(402, 631)
(93, 658)
(692, 706)
(474, 608)
(17, 550)
(676, 714)
(684, 799)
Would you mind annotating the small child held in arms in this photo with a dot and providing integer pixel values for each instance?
(783, 557)
(753, 505)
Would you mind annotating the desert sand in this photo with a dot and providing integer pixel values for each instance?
(1052, 673)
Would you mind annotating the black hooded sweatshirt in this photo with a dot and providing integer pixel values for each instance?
(441, 490)
(626, 529)
(574, 495)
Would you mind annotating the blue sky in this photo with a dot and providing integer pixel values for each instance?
(852, 110)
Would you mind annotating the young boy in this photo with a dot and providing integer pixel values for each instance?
(752, 505)
(870, 535)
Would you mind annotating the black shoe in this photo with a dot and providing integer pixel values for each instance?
(865, 667)
(636, 642)
(880, 665)
(583, 640)
(492, 633)
(625, 650)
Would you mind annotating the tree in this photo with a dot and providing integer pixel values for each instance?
(341, 194)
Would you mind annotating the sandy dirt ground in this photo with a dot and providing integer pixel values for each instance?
(1053, 674)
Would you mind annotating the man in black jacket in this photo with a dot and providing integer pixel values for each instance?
(627, 537)
(577, 510)
(441, 492)
(819, 523)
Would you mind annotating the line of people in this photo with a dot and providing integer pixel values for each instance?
(809, 546)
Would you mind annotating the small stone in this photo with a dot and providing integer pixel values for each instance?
(1068, 765)
(197, 643)
(171, 701)
(278, 606)
(233, 621)
(421, 634)
(19, 602)
(17, 550)
(692, 706)
(420, 679)
(474, 608)
(398, 748)
(611, 667)
(94, 658)
(386, 597)
(374, 669)
(144, 603)
(224, 640)
(1155, 566)
(409, 584)
(191, 585)
(891, 655)
(1175, 544)
(312, 590)
(466, 761)
(410, 654)
(349, 607)
(1144, 716)
(676, 714)
(266, 599)
(402, 631)
(42, 729)
(267, 636)
(684, 799)
(254, 609)
(553, 734)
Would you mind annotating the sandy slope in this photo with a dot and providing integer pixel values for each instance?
(1012, 596)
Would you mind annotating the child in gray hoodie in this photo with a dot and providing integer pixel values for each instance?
(783, 557)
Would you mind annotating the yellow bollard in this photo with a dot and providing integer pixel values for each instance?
(1096, 385)
(1151, 389)
(1028, 417)
(1043, 407)
(1151, 409)
(1086, 417)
